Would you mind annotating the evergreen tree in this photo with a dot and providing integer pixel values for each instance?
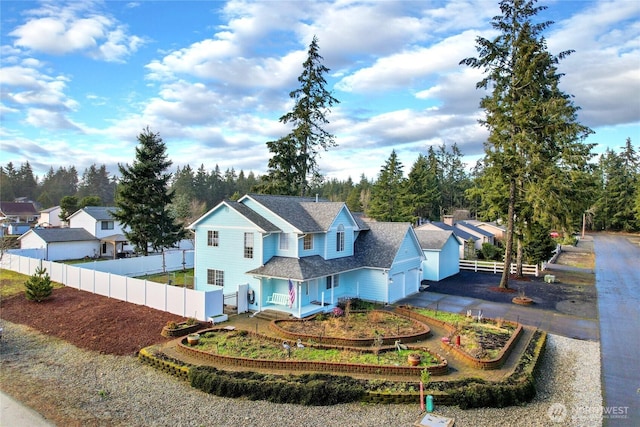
(423, 194)
(615, 207)
(96, 181)
(39, 286)
(388, 200)
(293, 164)
(534, 134)
(68, 205)
(143, 198)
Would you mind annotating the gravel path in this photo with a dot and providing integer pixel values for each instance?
(74, 387)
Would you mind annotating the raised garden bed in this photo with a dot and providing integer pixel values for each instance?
(249, 350)
(356, 329)
(180, 329)
(473, 342)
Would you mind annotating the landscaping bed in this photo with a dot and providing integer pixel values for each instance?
(90, 321)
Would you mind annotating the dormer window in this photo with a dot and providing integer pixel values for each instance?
(307, 242)
(284, 242)
(340, 238)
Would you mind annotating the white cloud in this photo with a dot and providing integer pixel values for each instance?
(61, 29)
(408, 68)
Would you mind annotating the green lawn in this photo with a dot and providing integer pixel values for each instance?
(12, 283)
(178, 278)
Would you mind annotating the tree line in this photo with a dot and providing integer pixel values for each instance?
(537, 173)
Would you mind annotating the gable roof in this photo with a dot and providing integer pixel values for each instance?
(289, 208)
(306, 214)
(474, 228)
(434, 239)
(379, 246)
(253, 216)
(49, 210)
(18, 208)
(99, 213)
(458, 232)
(51, 235)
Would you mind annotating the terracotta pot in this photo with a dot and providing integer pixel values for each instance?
(193, 339)
(414, 360)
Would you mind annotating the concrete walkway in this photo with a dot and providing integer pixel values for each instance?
(14, 413)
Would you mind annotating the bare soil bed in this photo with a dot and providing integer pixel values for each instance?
(90, 321)
(355, 325)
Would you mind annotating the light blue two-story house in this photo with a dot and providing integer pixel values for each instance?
(301, 255)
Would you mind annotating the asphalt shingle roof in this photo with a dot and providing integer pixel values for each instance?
(306, 268)
(376, 247)
(51, 235)
(301, 212)
(253, 216)
(100, 212)
(433, 239)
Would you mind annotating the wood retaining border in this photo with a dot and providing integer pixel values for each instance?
(351, 342)
(306, 365)
(463, 356)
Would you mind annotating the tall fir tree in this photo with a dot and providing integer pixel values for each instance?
(143, 197)
(388, 200)
(293, 165)
(533, 130)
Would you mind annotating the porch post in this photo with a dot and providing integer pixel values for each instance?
(298, 286)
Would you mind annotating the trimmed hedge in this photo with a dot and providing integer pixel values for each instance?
(307, 389)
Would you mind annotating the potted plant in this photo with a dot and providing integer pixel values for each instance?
(414, 359)
(193, 339)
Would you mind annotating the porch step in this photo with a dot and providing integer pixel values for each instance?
(230, 309)
(271, 315)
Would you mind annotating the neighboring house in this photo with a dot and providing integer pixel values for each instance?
(442, 254)
(301, 255)
(468, 242)
(99, 222)
(49, 217)
(482, 235)
(497, 230)
(18, 212)
(61, 243)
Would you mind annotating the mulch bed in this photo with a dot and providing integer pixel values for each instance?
(90, 321)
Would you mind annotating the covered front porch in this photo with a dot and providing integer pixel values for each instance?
(298, 299)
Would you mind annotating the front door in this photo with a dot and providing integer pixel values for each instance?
(313, 290)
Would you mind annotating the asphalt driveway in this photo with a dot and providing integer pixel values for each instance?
(567, 310)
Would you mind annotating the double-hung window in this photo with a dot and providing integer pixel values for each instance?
(106, 225)
(284, 242)
(307, 242)
(248, 245)
(213, 238)
(340, 238)
(333, 281)
(215, 277)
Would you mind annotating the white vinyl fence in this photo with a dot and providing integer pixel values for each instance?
(181, 301)
(498, 267)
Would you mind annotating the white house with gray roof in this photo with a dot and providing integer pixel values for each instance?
(301, 255)
(99, 221)
(56, 244)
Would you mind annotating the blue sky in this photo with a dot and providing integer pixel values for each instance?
(81, 79)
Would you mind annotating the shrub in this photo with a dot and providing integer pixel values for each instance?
(39, 286)
(308, 389)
